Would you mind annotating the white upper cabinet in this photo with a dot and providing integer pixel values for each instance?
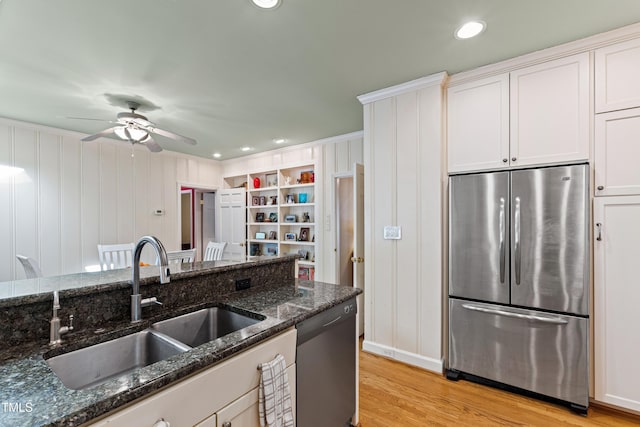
(478, 126)
(617, 153)
(550, 112)
(616, 76)
(532, 116)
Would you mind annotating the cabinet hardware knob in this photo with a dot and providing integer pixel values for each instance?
(599, 227)
(600, 187)
(505, 160)
(226, 424)
(513, 159)
(162, 423)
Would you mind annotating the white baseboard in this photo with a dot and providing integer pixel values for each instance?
(428, 363)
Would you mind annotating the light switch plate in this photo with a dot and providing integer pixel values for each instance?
(392, 232)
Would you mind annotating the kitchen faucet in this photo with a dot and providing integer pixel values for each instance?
(136, 299)
(55, 330)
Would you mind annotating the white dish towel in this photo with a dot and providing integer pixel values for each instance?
(274, 394)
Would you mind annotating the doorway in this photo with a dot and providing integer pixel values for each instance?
(197, 218)
(349, 243)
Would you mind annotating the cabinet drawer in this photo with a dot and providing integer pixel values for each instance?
(201, 395)
(616, 76)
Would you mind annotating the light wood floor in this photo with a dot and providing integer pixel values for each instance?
(394, 394)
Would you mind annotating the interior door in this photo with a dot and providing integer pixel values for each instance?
(358, 239)
(479, 236)
(232, 224)
(358, 265)
(208, 219)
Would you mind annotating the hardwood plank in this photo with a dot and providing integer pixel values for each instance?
(395, 394)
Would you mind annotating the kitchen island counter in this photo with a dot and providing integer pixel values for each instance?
(32, 394)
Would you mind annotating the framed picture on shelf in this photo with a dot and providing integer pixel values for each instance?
(272, 179)
(255, 201)
(304, 273)
(254, 249)
(260, 235)
(271, 249)
(273, 216)
(291, 198)
(259, 216)
(304, 234)
(290, 236)
(291, 218)
(263, 200)
(273, 235)
(303, 254)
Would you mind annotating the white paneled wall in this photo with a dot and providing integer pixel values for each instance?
(332, 156)
(404, 186)
(74, 195)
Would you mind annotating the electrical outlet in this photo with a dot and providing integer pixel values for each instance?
(242, 284)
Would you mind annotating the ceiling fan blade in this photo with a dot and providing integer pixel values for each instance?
(86, 118)
(152, 145)
(100, 134)
(172, 135)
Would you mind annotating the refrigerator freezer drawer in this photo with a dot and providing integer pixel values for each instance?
(540, 352)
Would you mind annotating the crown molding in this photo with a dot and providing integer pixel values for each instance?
(421, 83)
(586, 44)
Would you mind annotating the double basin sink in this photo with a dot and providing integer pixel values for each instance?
(90, 366)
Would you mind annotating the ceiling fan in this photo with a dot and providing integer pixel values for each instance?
(136, 129)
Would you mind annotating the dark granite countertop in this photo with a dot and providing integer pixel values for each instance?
(32, 395)
(39, 289)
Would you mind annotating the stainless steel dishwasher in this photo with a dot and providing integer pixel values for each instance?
(326, 368)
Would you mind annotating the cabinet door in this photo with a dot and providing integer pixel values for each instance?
(616, 301)
(617, 153)
(550, 112)
(478, 124)
(244, 411)
(616, 76)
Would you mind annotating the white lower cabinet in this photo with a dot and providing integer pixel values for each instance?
(244, 411)
(616, 301)
(225, 393)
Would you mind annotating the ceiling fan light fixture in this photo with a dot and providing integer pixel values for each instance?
(136, 134)
(470, 29)
(266, 4)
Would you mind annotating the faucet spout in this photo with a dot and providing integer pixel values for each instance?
(165, 274)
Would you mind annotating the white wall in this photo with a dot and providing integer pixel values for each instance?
(74, 195)
(332, 155)
(404, 176)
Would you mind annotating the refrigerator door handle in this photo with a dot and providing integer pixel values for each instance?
(537, 318)
(502, 239)
(517, 240)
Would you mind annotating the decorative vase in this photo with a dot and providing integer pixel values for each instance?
(256, 182)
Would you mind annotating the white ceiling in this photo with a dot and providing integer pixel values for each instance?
(232, 75)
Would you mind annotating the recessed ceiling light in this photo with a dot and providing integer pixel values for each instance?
(217, 155)
(470, 29)
(279, 140)
(246, 148)
(266, 4)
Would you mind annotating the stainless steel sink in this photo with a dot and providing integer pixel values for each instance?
(204, 325)
(94, 365)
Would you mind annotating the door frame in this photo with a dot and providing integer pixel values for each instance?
(197, 188)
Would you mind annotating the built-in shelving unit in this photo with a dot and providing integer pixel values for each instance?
(281, 213)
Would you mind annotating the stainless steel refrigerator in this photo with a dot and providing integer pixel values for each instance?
(519, 280)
